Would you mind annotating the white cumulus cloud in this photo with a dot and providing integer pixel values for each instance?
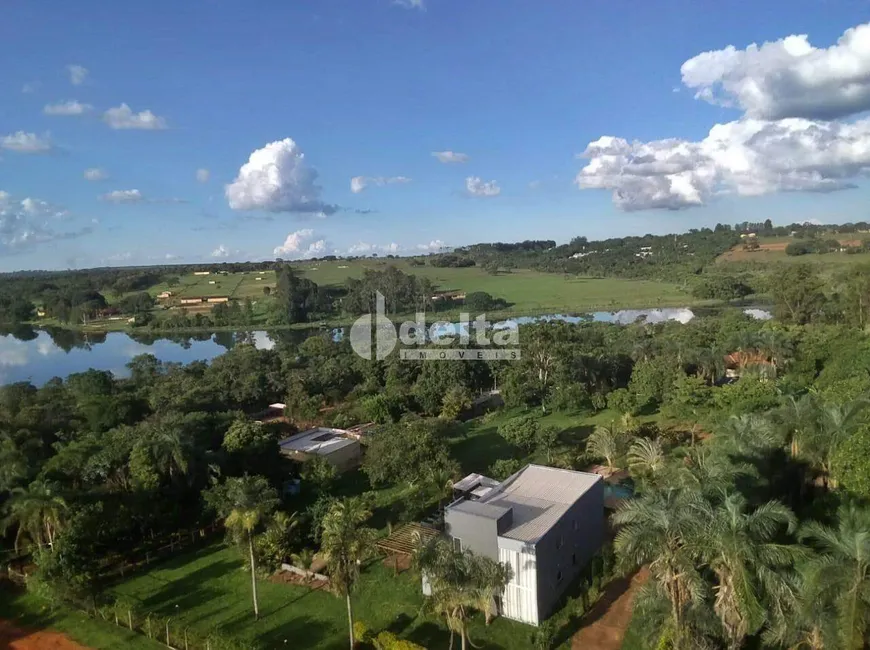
(411, 4)
(302, 244)
(77, 74)
(95, 174)
(26, 142)
(359, 183)
(277, 178)
(30, 221)
(220, 252)
(450, 156)
(30, 87)
(432, 247)
(477, 187)
(747, 157)
(788, 77)
(202, 175)
(69, 107)
(123, 117)
(123, 196)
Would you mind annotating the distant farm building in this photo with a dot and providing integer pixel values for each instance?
(202, 272)
(449, 295)
(163, 295)
(191, 301)
(337, 446)
(217, 299)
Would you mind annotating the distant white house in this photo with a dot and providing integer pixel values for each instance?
(202, 272)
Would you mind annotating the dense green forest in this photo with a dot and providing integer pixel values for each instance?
(749, 492)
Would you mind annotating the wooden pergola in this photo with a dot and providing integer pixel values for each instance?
(403, 540)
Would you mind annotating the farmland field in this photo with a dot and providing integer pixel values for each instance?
(529, 292)
(772, 249)
(233, 285)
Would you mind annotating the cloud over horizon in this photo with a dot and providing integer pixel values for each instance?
(277, 178)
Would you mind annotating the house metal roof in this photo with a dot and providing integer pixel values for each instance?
(322, 441)
(538, 497)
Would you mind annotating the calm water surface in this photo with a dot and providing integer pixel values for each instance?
(38, 355)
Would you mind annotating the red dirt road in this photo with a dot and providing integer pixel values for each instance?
(15, 638)
(610, 617)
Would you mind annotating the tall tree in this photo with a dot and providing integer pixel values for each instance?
(345, 545)
(841, 571)
(37, 512)
(740, 548)
(244, 503)
(657, 530)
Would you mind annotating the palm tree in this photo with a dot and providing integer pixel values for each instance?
(656, 529)
(841, 571)
(345, 545)
(244, 503)
(459, 582)
(38, 512)
(746, 433)
(797, 417)
(606, 442)
(749, 566)
(490, 579)
(646, 457)
(709, 472)
(836, 424)
(709, 364)
(808, 621)
(168, 451)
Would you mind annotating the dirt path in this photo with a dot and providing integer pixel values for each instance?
(15, 638)
(608, 620)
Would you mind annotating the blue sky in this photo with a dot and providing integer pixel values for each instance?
(371, 88)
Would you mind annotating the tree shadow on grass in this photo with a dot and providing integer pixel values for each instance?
(479, 451)
(189, 591)
(431, 635)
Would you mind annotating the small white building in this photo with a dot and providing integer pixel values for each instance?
(337, 446)
(202, 272)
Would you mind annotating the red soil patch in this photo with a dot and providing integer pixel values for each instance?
(15, 638)
(611, 615)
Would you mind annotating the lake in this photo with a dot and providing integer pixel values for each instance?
(33, 355)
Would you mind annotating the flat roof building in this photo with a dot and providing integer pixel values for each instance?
(337, 446)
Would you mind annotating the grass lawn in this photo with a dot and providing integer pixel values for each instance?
(530, 292)
(211, 589)
(29, 612)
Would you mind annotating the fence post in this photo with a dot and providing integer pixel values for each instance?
(185, 639)
(167, 632)
(148, 623)
(130, 619)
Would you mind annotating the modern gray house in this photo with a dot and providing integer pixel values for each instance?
(546, 523)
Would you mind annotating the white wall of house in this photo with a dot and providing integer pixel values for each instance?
(520, 601)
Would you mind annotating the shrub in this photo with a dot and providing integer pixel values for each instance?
(389, 641)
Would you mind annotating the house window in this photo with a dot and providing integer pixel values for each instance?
(558, 576)
(457, 544)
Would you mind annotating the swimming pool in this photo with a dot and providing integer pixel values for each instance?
(618, 491)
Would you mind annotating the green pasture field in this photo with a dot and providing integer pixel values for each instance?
(529, 292)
